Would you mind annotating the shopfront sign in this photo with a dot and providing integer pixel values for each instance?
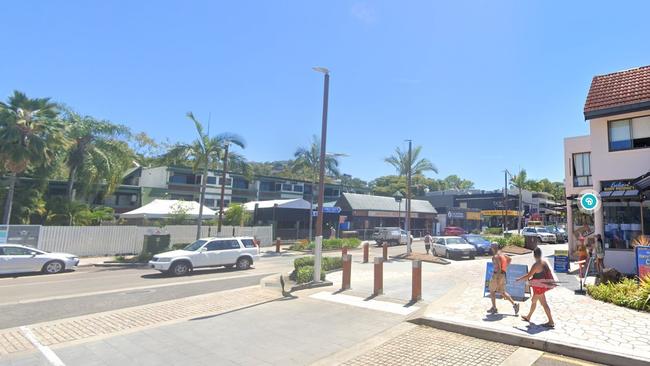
(561, 261)
(499, 213)
(642, 261)
(617, 185)
(472, 215)
(516, 289)
(456, 215)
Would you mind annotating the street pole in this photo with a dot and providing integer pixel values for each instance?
(408, 200)
(223, 186)
(399, 214)
(505, 199)
(321, 176)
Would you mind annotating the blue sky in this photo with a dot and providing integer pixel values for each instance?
(482, 85)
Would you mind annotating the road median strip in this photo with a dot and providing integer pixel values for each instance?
(109, 323)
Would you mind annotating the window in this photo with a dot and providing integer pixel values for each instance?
(228, 181)
(629, 134)
(210, 202)
(582, 169)
(287, 187)
(17, 251)
(212, 180)
(240, 183)
(297, 188)
(248, 243)
(267, 186)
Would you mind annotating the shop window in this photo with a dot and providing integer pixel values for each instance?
(622, 221)
(582, 169)
(629, 134)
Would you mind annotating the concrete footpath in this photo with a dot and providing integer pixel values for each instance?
(453, 300)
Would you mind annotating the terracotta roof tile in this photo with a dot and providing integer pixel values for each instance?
(619, 89)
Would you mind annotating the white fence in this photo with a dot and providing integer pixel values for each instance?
(111, 240)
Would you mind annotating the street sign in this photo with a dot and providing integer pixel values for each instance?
(561, 261)
(642, 261)
(516, 289)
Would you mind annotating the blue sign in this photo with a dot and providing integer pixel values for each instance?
(589, 201)
(344, 225)
(561, 261)
(642, 261)
(327, 210)
(516, 289)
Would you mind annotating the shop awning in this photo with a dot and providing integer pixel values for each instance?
(642, 183)
(620, 193)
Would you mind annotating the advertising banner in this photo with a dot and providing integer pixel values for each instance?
(642, 261)
(561, 261)
(516, 289)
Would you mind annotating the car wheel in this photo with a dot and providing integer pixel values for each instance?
(180, 268)
(243, 263)
(447, 255)
(53, 267)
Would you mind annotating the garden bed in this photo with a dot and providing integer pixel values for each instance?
(628, 293)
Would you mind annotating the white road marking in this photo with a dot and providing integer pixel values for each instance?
(385, 306)
(61, 297)
(51, 357)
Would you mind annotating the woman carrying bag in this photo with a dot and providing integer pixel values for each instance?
(541, 280)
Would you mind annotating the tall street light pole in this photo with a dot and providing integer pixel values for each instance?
(408, 199)
(223, 185)
(321, 175)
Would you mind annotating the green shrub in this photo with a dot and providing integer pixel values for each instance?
(498, 239)
(627, 293)
(494, 231)
(331, 244)
(516, 240)
(299, 245)
(327, 263)
(305, 274)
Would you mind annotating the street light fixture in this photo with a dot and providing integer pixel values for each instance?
(407, 225)
(398, 198)
(321, 176)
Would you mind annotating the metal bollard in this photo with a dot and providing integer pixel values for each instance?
(378, 288)
(347, 272)
(365, 252)
(416, 290)
(277, 245)
(385, 251)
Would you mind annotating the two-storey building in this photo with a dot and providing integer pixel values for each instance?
(612, 160)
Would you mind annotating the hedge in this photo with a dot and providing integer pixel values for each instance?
(305, 274)
(516, 240)
(327, 263)
(328, 244)
(627, 293)
(494, 231)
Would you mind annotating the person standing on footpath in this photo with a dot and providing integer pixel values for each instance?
(427, 242)
(541, 280)
(497, 284)
(600, 254)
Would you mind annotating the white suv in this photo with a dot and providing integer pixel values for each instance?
(208, 252)
(542, 235)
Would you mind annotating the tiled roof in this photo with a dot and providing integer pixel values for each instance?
(619, 89)
(381, 203)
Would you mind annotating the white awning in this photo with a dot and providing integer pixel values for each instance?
(296, 203)
(160, 209)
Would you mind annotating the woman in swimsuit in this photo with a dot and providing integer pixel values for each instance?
(539, 277)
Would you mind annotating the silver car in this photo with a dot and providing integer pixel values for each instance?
(15, 258)
(453, 247)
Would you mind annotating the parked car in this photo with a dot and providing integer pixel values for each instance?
(208, 252)
(453, 247)
(390, 235)
(481, 244)
(15, 258)
(540, 234)
(560, 234)
(453, 231)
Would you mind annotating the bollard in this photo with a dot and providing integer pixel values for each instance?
(416, 289)
(344, 252)
(365, 252)
(347, 272)
(378, 288)
(385, 252)
(277, 245)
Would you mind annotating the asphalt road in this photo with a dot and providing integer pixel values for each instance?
(29, 299)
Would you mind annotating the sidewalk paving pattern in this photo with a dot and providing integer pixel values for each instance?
(427, 346)
(74, 329)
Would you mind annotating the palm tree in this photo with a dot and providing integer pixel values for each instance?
(307, 162)
(400, 161)
(95, 154)
(202, 153)
(30, 134)
(520, 181)
(227, 140)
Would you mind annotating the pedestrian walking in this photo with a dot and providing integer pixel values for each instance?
(600, 254)
(541, 279)
(427, 242)
(500, 263)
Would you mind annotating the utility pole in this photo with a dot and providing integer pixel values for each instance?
(321, 176)
(408, 200)
(223, 185)
(505, 200)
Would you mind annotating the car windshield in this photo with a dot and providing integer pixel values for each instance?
(476, 239)
(195, 246)
(456, 241)
(542, 230)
